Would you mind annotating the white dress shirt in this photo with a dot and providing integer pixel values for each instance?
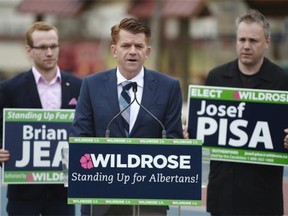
(134, 108)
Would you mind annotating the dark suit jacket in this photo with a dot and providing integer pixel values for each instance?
(98, 104)
(246, 189)
(21, 92)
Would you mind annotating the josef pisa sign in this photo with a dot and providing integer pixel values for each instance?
(235, 124)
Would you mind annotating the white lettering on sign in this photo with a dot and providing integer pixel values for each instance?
(222, 110)
(30, 132)
(41, 154)
(211, 93)
(143, 161)
(208, 126)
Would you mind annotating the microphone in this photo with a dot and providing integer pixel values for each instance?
(134, 88)
(107, 133)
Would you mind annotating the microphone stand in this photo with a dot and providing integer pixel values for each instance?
(134, 87)
(107, 135)
(107, 132)
(135, 208)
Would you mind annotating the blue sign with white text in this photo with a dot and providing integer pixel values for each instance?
(241, 125)
(134, 171)
(35, 139)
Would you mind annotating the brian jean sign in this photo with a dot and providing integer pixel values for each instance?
(35, 138)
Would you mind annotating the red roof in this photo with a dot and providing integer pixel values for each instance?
(58, 7)
(169, 8)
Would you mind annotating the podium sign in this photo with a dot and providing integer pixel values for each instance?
(134, 171)
(35, 138)
(240, 125)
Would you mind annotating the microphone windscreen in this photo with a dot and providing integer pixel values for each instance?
(134, 86)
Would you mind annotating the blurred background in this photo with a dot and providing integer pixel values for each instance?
(189, 37)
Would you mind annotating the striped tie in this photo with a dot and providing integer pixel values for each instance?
(124, 101)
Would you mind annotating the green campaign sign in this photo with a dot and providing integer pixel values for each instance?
(35, 139)
(237, 124)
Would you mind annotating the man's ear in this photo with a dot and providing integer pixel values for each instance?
(268, 41)
(113, 50)
(148, 51)
(28, 49)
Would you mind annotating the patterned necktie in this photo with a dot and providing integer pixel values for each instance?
(124, 101)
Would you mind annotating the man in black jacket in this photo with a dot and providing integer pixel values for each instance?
(240, 188)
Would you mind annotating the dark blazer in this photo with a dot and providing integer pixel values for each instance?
(239, 188)
(98, 104)
(21, 92)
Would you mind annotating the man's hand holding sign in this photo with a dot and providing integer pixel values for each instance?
(4, 155)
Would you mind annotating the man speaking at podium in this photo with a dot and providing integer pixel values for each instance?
(129, 101)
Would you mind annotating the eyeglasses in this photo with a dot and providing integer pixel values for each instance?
(45, 48)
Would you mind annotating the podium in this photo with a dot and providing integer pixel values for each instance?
(134, 171)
